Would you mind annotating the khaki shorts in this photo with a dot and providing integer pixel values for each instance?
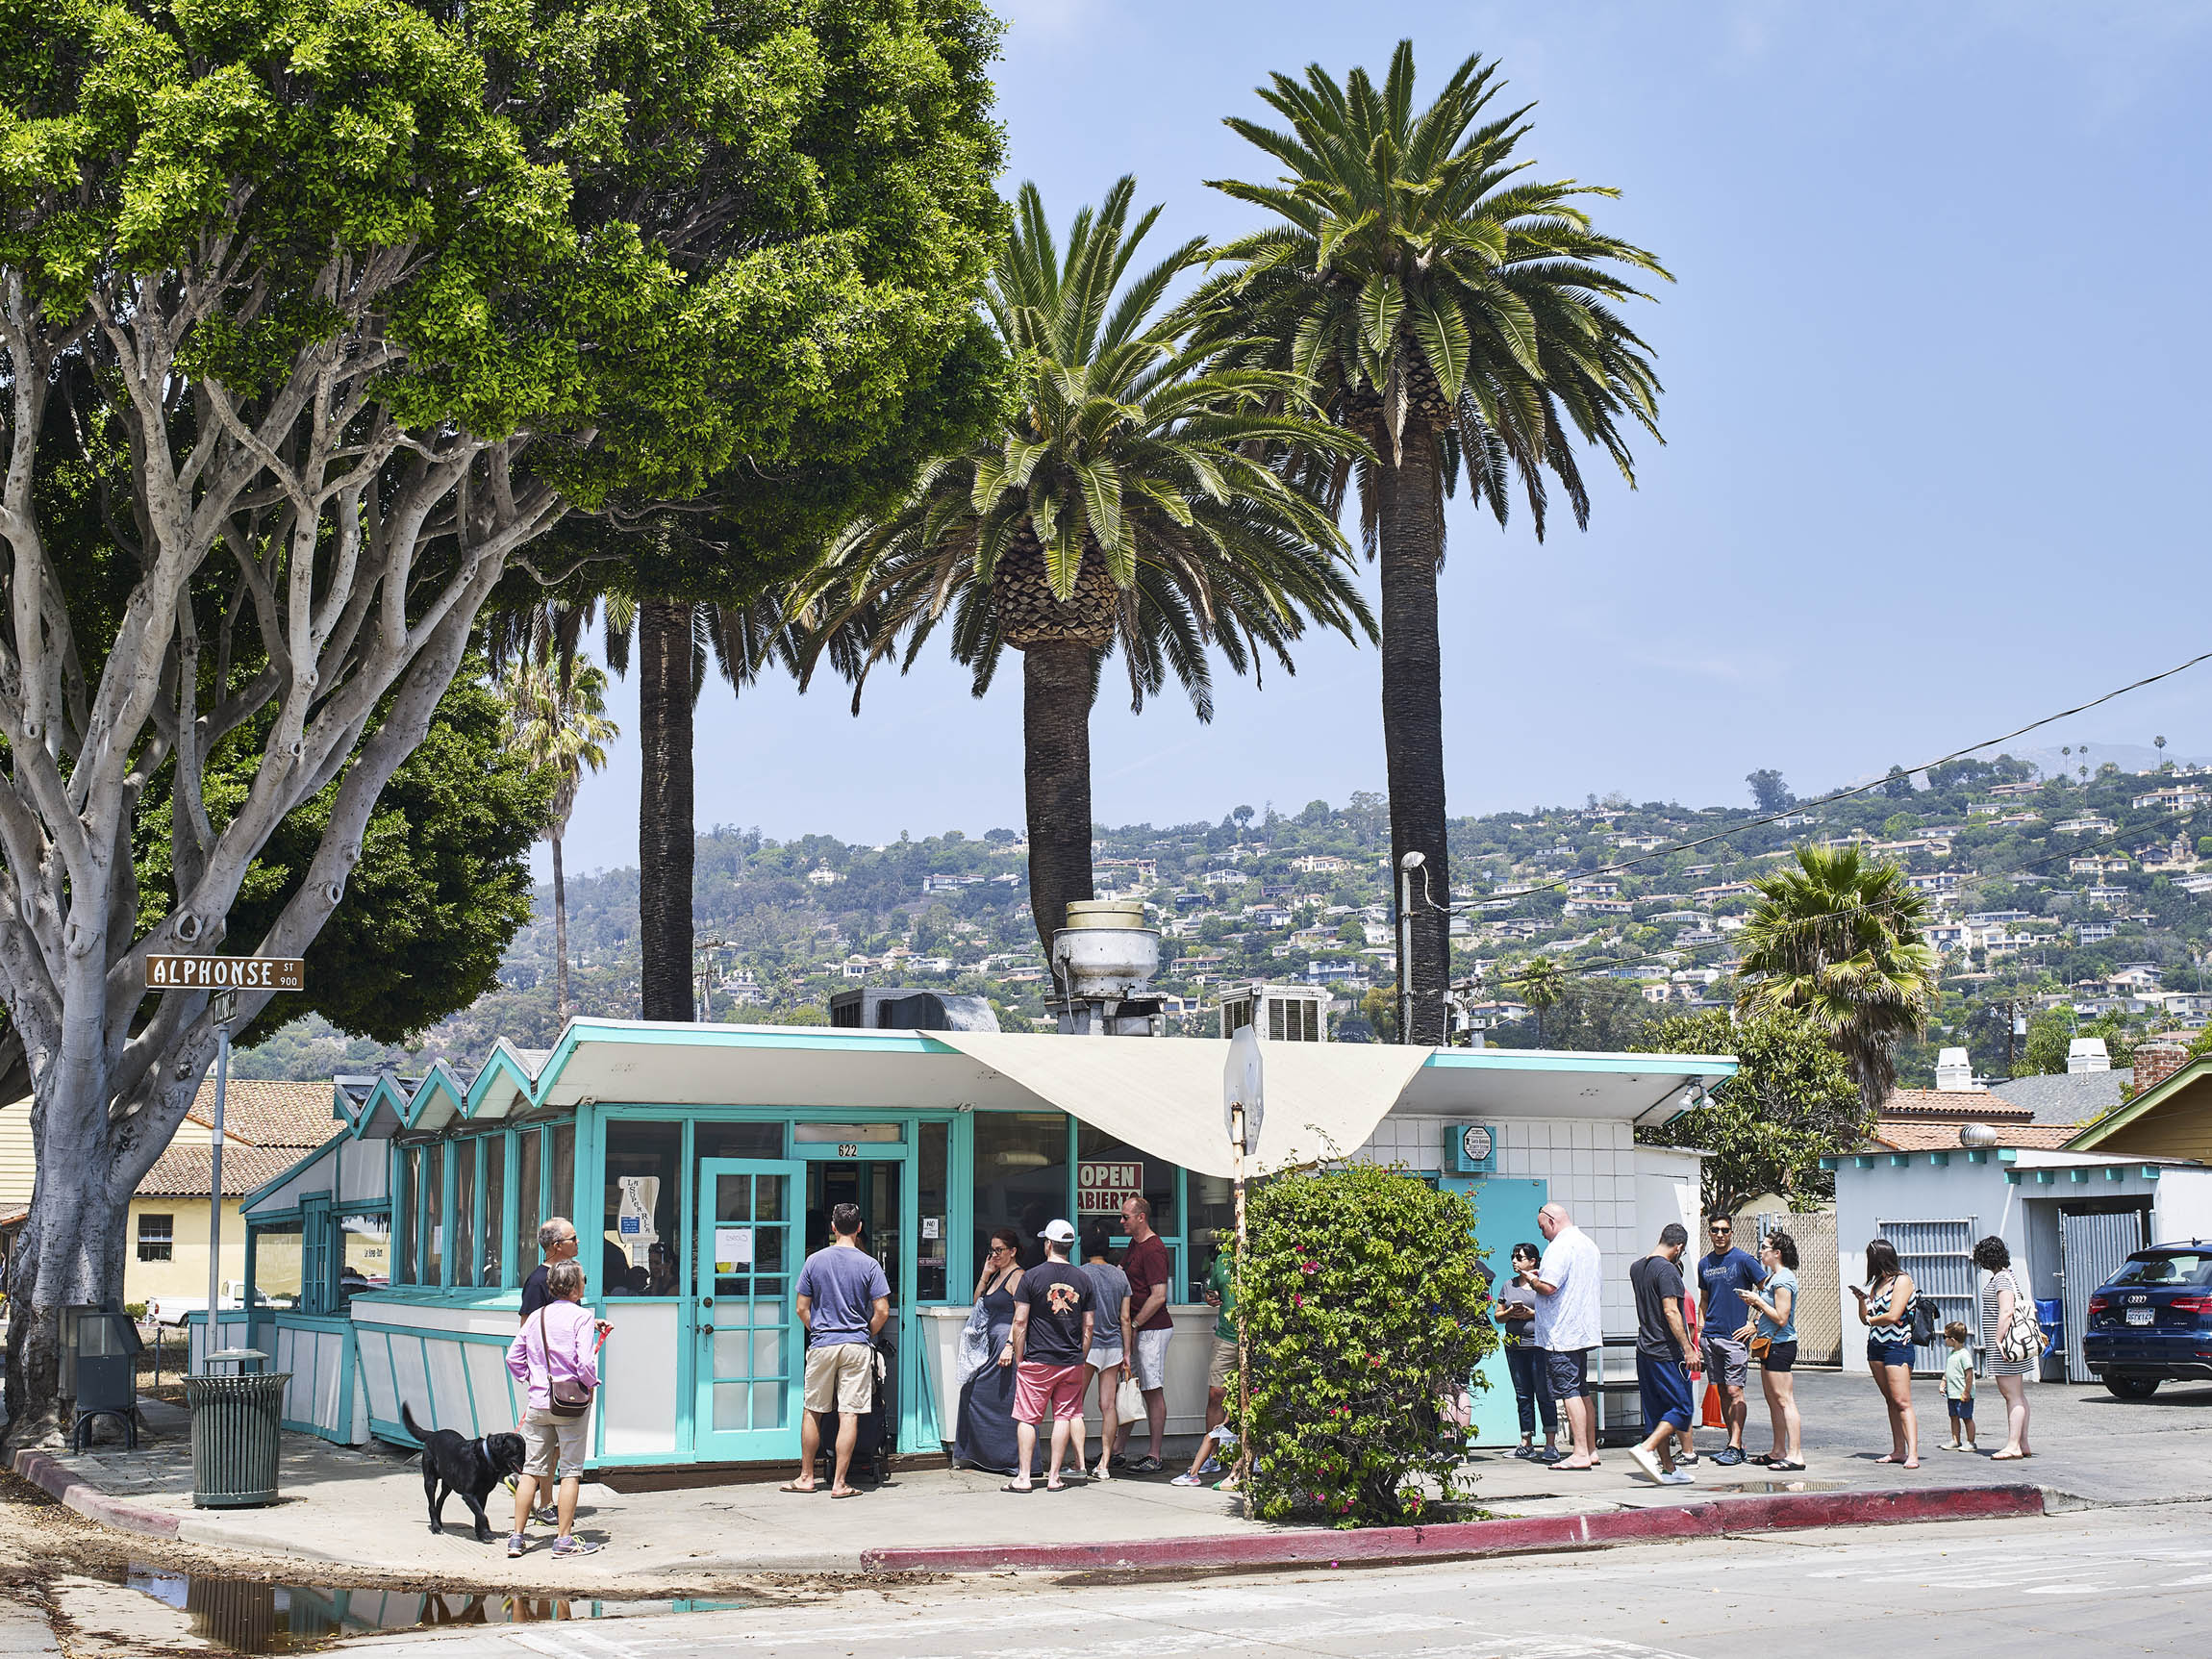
(553, 1446)
(842, 1378)
(1222, 1365)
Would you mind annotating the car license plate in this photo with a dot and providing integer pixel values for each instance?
(2139, 1316)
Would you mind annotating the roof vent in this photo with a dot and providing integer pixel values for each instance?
(1977, 1134)
(1954, 1075)
(2087, 1054)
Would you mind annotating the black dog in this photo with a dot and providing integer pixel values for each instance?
(453, 1464)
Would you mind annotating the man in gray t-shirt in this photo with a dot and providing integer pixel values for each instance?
(843, 1299)
(1110, 1341)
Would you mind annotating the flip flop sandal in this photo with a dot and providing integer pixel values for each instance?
(1764, 1460)
(1785, 1464)
(803, 1491)
(1025, 1491)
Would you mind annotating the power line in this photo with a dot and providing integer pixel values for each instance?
(1854, 790)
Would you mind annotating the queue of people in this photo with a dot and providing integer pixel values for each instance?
(1745, 1312)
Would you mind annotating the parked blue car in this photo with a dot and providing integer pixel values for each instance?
(2152, 1323)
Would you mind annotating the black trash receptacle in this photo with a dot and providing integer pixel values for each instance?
(235, 1428)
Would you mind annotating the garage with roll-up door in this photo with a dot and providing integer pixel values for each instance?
(2070, 1218)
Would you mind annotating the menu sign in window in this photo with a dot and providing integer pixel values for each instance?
(1102, 1183)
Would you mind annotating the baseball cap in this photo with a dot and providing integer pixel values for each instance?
(1059, 1232)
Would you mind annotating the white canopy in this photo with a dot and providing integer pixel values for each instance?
(1323, 1099)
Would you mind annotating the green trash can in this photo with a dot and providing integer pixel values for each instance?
(236, 1429)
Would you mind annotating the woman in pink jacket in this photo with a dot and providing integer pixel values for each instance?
(561, 1340)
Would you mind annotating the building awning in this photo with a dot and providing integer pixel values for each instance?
(1163, 1097)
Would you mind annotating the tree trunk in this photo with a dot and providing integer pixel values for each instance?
(664, 844)
(1410, 531)
(560, 935)
(1056, 772)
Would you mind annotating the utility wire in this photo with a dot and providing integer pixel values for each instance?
(1847, 793)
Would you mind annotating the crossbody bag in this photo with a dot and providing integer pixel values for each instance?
(566, 1396)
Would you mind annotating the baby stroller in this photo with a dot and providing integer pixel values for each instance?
(878, 1436)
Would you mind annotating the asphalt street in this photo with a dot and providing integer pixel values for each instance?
(2105, 1583)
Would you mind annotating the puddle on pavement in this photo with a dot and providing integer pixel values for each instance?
(1736, 1486)
(248, 1615)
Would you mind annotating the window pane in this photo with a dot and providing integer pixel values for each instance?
(466, 1250)
(277, 1267)
(1213, 1227)
(644, 1161)
(935, 1220)
(403, 1213)
(1021, 1178)
(365, 1264)
(494, 1207)
(1156, 1179)
(563, 1193)
(434, 1223)
(527, 1214)
(1274, 1019)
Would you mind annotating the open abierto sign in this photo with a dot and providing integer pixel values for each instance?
(1102, 1183)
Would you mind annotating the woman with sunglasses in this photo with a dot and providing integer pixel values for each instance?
(986, 1437)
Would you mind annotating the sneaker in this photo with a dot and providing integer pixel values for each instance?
(1728, 1457)
(1646, 1460)
(575, 1547)
(1682, 1459)
(1677, 1477)
(1549, 1455)
(516, 1546)
(1119, 1460)
(1212, 1466)
(1228, 1483)
(1147, 1465)
(1186, 1478)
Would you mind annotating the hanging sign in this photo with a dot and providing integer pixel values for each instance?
(226, 974)
(1102, 1183)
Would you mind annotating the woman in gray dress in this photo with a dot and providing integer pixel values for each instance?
(1999, 1297)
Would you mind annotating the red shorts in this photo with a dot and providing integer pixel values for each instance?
(1039, 1389)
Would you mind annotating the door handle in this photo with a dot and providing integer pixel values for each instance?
(706, 1331)
(706, 1301)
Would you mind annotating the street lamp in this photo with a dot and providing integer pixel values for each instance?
(1406, 865)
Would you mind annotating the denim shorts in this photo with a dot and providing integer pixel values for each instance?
(1889, 1353)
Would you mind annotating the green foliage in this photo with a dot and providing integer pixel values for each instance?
(2048, 1034)
(1362, 1302)
(1791, 1103)
(442, 886)
(1378, 1006)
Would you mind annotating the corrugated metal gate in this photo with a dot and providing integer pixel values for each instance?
(1939, 1257)
(2091, 1250)
(1820, 1313)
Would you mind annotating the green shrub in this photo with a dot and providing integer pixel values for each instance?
(1361, 1298)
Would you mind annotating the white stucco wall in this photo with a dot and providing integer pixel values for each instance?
(1668, 1189)
(1922, 1191)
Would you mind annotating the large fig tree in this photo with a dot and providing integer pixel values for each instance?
(330, 309)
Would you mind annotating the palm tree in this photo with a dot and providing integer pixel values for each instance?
(1128, 503)
(557, 716)
(1458, 318)
(1839, 937)
(1542, 984)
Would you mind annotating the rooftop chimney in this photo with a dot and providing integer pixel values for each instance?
(1954, 1075)
(2155, 1062)
(2087, 1054)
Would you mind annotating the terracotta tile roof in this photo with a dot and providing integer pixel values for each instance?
(268, 1113)
(1953, 1106)
(1925, 1137)
(182, 1171)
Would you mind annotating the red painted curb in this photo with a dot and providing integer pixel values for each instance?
(1780, 1512)
(54, 1479)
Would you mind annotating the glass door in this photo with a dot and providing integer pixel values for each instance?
(751, 1355)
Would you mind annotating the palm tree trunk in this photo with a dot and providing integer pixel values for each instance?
(1409, 530)
(664, 846)
(1056, 770)
(560, 935)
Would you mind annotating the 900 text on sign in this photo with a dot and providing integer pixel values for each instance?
(226, 974)
(1101, 1184)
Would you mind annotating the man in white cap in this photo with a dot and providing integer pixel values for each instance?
(1053, 1307)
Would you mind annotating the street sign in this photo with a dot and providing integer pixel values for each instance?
(226, 974)
(1242, 1085)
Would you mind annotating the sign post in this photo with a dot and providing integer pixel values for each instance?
(1243, 1106)
(225, 976)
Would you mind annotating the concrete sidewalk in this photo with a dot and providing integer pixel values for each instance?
(364, 1509)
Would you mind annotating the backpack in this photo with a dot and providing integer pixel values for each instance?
(1922, 1319)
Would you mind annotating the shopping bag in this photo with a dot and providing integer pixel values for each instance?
(1713, 1417)
(1129, 1401)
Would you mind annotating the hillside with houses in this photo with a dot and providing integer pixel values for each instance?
(2084, 898)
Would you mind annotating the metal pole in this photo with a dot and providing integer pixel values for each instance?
(1243, 1351)
(1404, 955)
(215, 1193)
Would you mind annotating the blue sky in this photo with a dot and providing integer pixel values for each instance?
(1935, 458)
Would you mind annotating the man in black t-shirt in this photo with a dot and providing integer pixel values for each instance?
(1662, 1349)
(556, 1243)
(1053, 1311)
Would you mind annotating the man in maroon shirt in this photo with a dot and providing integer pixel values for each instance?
(1146, 1263)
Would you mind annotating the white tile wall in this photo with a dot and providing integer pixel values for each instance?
(1588, 1166)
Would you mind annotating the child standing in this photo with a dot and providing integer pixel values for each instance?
(1958, 1387)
